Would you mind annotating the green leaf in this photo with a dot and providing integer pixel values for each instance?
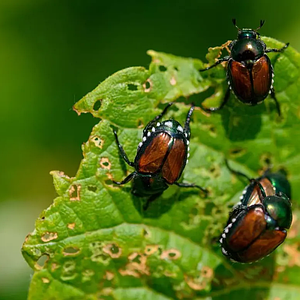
(95, 241)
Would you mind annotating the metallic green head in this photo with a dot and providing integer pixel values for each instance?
(280, 182)
(279, 209)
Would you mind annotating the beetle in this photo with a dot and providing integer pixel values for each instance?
(258, 224)
(249, 70)
(161, 157)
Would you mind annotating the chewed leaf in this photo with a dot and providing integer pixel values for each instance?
(96, 242)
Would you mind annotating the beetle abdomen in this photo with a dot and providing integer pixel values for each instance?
(247, 227)
(240, 81)
(262, 77)
(251, 85)
(263, 246)
(249, 239)
(153, 154)
(175, 161)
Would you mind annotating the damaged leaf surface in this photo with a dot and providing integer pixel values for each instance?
(95, 241)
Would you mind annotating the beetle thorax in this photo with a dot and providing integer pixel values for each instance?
(173, 127)
(247, 50)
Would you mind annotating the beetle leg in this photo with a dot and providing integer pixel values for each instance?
(124, 155)
(277, 50)
(125, 180)
(212, 109)
(226, 58)
(184, 184)
(188, 119)
(152, 123)
(276, 102)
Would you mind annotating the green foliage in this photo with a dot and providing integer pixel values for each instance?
(95, 241)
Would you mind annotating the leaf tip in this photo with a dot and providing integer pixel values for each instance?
(151, 52)
(76, 110)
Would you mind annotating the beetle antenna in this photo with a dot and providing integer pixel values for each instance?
(262, 22)
(234, 24)
(237, 172)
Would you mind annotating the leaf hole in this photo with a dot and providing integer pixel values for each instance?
(97, 105)
(132, 87)
(112, 250)
(87, 275)
(217, 211)
(97, 141)
(74, 192)
(100, 257)
(147, 85)
(207, 272)
(212, 130)
(71, 251)
(266, 159)
(140, 123)
(160, 251)
(49, 236)
(71, 225)
(194, 283)
(92, 188)
(173, 81)
(129, 273)
(42, 216)
(237, 152)
(146, 233)
(69, 270)
(150, 249)
(172, 254)
(105, 163)
(97, 253)
(109, 275)
(215, 171)
(69, 265)
(162, 68)
(137, 258)
(45, 280)
(42, 261)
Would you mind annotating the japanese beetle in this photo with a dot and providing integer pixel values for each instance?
(161, 157)
(258, 224)
(249, 70)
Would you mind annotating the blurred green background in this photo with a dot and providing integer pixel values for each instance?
(54, 52)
